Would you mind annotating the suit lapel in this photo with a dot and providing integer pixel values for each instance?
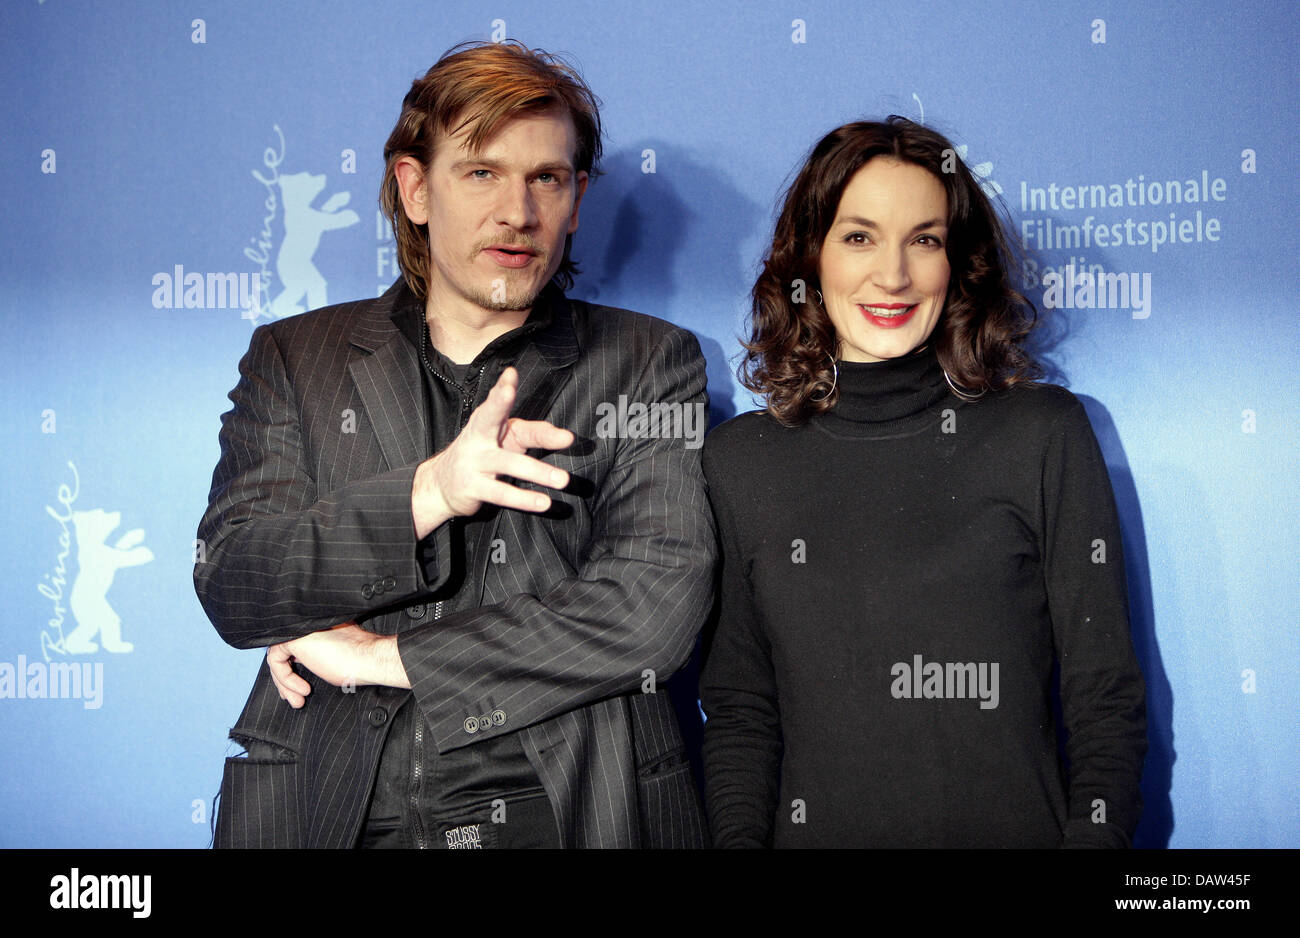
(544, 363)
(389, 383)
(544, 369)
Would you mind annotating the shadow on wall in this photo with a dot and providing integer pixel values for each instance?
(1051, 335)
(1054, 326)
(1157, 823)
(669, 238)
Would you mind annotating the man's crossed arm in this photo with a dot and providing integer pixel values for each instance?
(457, 481)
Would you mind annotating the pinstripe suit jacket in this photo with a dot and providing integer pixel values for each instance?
(309, 525)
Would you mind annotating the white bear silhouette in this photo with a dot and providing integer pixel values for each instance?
(97, 563)
(303, 226)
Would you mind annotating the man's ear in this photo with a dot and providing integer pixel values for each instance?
(581, 181)
(413, 187)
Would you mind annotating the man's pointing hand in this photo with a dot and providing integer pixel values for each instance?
(464, 476)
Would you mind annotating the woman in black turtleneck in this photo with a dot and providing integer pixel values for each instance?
(914, 532)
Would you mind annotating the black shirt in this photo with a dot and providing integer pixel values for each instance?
(417, 788)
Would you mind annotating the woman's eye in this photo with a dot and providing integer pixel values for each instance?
(857, 237)
(931, 240)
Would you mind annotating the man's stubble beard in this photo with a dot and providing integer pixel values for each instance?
(518, 302)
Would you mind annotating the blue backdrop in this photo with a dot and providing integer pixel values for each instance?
(177, 172)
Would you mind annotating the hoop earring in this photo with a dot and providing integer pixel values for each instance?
(964, 395)
(834, 381)
(820, 301)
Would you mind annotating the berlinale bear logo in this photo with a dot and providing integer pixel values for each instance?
(97, 564)
(304, 286)
(303, 227)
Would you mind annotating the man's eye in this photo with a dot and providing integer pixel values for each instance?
(480, 174)
(547, 178)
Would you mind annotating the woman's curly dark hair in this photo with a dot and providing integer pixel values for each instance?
(980, 337)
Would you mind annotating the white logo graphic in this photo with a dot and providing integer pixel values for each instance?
(464, 838)
(97, 564)
(303, 227)
(981, 171)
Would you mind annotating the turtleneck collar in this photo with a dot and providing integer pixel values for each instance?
(877, 396)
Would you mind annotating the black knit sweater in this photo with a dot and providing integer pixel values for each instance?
(899, 576)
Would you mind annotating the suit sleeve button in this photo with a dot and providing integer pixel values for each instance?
(471, 724)
(390, 583)
(498, 717)
(416, 611)
(367, 591)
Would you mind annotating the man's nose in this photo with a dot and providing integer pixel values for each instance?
(516, 207)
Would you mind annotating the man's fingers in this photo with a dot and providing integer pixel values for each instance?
(524, 435)
(277, 662)
(492, 445)
(285, 693)
(294, 698)
(292, 686)
(508, 496)
(490, 416)
(527, 469)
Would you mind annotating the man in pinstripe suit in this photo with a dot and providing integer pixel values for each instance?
(464, 649)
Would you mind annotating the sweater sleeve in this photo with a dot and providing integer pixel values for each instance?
(742, 732)
(1102, 691)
